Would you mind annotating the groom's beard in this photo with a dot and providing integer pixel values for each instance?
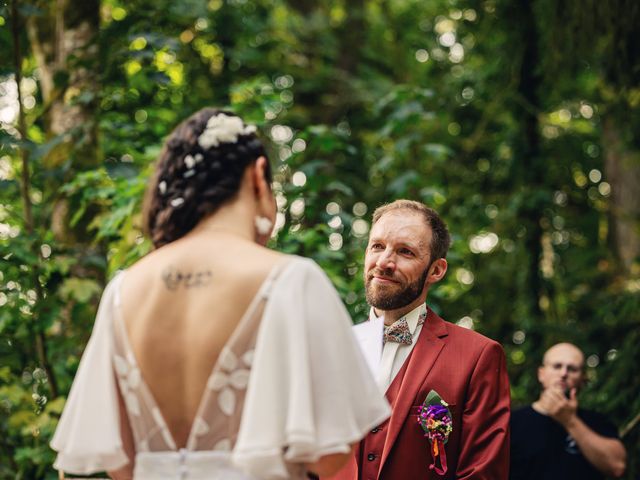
(393, 296)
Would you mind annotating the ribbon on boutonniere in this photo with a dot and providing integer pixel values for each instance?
(435, 419)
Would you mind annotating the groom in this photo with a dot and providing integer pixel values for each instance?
(422, 353)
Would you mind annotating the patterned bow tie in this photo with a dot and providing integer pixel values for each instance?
(399, 332)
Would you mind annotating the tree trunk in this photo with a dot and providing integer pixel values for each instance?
(529, 166)
(622, 170)
(64, 43)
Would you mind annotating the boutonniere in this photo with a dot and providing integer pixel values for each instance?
(435, 419)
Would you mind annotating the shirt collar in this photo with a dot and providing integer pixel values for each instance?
(372, 314)
(412, 317)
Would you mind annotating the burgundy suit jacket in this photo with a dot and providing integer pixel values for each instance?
(468, 371)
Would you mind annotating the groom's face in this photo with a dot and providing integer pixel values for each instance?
(397, 260)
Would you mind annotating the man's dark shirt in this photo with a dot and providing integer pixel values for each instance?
(541, 448)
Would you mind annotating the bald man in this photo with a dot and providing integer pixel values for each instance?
(553, 438)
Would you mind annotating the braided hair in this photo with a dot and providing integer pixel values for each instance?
(192, 182)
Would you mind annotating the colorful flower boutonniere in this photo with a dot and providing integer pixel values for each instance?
(435, 419)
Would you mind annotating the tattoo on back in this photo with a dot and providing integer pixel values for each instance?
(174, 278)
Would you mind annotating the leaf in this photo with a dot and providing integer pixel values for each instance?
(433, 398)
(437, 150)
(312, 167)
(340, 187)
(42, 150)
(402, 182)
(79, 289)
(85, 97)
(56, 405)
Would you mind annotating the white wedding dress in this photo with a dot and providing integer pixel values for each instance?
(289, 386)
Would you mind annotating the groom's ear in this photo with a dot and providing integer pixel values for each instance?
(437, 270)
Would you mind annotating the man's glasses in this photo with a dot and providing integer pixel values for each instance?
(570, 368)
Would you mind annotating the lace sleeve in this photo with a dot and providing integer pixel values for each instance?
(310, 393)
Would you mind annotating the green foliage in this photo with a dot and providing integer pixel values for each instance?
(470, 106)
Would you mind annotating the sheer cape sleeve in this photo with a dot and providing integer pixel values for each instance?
(87, 438)
(311, 392)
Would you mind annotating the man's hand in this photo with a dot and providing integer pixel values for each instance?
(606, 454)
(557, 406)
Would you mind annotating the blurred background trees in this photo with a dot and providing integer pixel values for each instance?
(517, 120)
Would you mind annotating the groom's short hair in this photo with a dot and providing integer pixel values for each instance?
(440, 240)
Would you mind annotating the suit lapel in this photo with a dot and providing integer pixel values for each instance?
(421, 360)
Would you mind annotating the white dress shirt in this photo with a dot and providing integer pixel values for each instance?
(394, 354)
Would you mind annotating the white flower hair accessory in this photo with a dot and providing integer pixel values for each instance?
(223, 128)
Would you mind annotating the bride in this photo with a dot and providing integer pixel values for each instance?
(214, 357)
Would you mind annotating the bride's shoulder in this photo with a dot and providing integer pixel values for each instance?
(302, 270)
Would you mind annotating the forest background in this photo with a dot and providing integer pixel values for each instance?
(518, 120)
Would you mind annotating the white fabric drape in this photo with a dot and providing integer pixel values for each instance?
(311, 392)
(87, 438)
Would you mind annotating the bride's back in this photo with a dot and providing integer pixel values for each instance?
(170, 317)
(180, 305)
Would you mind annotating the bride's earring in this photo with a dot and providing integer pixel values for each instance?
(263, 225)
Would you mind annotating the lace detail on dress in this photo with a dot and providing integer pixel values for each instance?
(230, 376)
(129, 379)
(216, 424)
(150, 431)
(218, 419)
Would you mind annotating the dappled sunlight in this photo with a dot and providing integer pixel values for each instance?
(530, 159)
(466, 322)
(483, 242)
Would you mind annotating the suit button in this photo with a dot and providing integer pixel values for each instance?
(375, 430)
(371, 457)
